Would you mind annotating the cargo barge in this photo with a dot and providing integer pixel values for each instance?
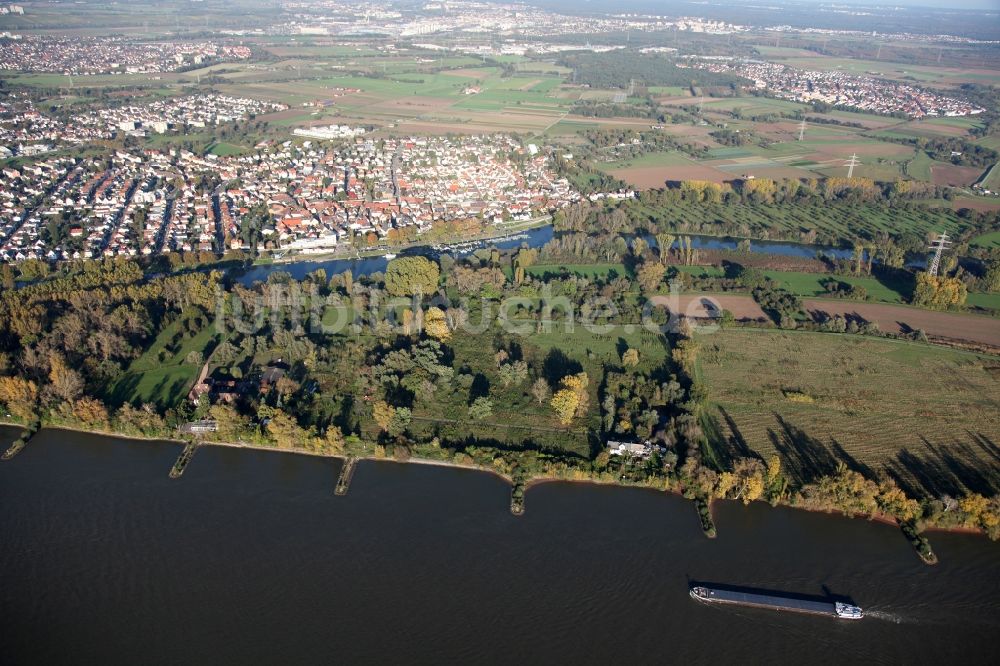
(776, 602)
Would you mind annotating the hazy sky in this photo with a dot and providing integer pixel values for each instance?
(943, 4)
(667, 5)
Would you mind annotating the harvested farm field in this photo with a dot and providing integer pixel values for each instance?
(711, 305)
(971, 328)
(981, 204)
(646, 178)
(977, 329)
(839, 149)
(956, 176)
(818, 400)
(781, 172)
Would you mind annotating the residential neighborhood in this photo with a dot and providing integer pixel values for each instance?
(75, 56)
(191, 112)
(286, 196)
(864, 93)
(25, 131)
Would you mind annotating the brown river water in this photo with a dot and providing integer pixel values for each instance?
(249, 558)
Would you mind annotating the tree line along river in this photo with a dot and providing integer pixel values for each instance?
(250, 558)
(536, 238)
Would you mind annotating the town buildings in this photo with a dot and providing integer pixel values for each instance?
(290, 196)
(864, 93)
(75, 56)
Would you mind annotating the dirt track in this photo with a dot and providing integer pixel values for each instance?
(973, 328)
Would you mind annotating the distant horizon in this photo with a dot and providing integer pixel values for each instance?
(673, 6)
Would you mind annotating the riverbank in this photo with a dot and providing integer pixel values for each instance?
(526, 484)
(507, 231)
(411, 460)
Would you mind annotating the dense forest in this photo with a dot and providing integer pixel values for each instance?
(616, 69)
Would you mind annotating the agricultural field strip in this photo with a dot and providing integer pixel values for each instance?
(869, 398)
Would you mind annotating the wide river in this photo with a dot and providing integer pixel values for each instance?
(251, 559)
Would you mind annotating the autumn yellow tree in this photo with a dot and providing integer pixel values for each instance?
(383, 413)
(750, 480)
(990, 518)
(773, 469)
(230, 424)
(91, 412)
(845, 490)
(565, 402)
(578, 383)
(938, 291)
(775, 483)
(20, 395)
(436, 324)
(143, 420)
(894, 502)
(408, 276)
(334, 440)
(285, 431)
(685, 354)
(701, 190)
(650, 274)
(66, 383)
(752, 488)
(759, 190)
(26, 323)
(973, 506)
(571, 399)
(724, 483)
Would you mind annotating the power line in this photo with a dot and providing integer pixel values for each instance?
(939, 245)
(802, 128)
(853, 162)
